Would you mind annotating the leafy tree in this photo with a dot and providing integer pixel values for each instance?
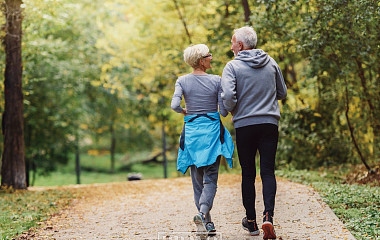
(59, 59)
(341, 42)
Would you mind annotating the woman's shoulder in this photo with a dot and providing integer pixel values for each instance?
(183, 78)
(216, 78)
(190, 77)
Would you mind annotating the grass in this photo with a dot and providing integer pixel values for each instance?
(97, 169)
(23, 209)
(358, 206)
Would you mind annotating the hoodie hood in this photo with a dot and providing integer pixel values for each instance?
(255, 58)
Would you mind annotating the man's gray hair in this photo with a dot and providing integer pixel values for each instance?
(247, 36)
(194, 53)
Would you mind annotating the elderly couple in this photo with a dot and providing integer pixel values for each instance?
(249, 88)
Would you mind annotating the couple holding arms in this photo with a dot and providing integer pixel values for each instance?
(250, 88)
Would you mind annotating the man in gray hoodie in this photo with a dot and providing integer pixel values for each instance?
(252, 85)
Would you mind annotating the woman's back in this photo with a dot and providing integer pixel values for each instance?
(202, 94)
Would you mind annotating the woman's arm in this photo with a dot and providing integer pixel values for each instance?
(176, 99)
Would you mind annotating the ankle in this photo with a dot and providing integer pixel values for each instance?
(268, 217)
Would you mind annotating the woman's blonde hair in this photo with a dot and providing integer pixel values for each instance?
(194, 53)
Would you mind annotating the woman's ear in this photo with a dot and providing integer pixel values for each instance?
(201, 62)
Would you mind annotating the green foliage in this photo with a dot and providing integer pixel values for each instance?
(307, 141)
(99, 71)
(22, 210)
(339, 41)
(325, 48)
(356, 205)
(56, 65)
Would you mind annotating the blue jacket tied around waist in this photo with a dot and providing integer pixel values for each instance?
(203, 139)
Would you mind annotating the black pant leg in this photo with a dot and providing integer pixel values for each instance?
(267, 149)
(247, 146)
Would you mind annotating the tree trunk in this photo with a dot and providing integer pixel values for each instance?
(227, 12)
(28, 160)
(247, 11)
(77, 158)
(374, 112)
(13, 159)
(112, 149)
(164, 150)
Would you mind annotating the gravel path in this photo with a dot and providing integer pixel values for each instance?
(163, 209)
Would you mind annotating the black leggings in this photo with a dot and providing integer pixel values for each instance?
(249, 139)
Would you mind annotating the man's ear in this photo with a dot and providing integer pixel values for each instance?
(241, 46)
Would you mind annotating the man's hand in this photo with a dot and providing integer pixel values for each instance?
(184, 111)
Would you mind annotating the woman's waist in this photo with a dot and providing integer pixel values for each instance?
(202, 117)
(195, 111)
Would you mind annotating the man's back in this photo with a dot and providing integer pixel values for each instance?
(252, 83)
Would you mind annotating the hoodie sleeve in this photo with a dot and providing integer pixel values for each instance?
(229, 87)
(222, 109)
(177, 97)
(280, 84)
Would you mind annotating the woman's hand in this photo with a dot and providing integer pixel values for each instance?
(184, 111)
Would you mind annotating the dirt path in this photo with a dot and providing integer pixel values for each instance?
(163, 209)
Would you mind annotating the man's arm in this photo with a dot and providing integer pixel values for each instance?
(229, 87)
(222, 109)
(280, 84)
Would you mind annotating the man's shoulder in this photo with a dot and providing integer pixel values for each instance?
(231, 63)
(272, 61)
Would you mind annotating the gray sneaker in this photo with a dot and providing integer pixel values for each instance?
(199, 221)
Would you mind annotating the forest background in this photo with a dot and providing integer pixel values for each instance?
(98, 76)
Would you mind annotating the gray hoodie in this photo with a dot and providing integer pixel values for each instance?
(252, 83)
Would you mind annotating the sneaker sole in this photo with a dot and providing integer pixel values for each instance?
(212, 233)
(268, 231)
(200, 225)
(255, 233)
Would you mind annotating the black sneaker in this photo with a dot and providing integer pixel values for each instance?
(210, 227)
(251, 227)
(268, 228)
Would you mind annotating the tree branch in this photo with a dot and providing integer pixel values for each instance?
(352, 130)
(364, 85)
(183, 20)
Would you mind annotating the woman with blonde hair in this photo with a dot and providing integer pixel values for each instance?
(204, 138)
